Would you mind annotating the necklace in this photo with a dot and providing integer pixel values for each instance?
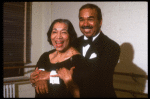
(68, 54)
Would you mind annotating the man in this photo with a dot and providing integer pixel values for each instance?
(101, 52)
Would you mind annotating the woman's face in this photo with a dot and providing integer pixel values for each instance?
(60, 36)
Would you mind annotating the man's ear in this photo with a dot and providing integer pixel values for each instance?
(101, 22)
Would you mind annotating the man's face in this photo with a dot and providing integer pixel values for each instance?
(88, 22)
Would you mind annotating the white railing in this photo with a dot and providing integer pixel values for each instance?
(9, 85)
(9, 90)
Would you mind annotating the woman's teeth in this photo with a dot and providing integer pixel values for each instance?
(59, 44)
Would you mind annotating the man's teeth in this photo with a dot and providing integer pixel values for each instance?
(87, 30)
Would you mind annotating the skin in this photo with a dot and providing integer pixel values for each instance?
(60, 36)
(60, 39)
(34, 75)
(89, 26)
(38, 78)
(65, 74)
(41, 86)
(88, 18)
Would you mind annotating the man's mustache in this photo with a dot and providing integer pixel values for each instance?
(86, 27)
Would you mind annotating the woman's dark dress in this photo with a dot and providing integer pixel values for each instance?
(58, 90)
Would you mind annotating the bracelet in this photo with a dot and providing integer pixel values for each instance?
(54, 80)
(33, 85)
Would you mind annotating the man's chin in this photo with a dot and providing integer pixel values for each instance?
(88, 34)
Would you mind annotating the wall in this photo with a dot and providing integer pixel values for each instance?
(127, 24)
(124, 22)
(41, 20)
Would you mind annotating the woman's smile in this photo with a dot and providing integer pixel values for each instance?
(59, 43)
(60, 36)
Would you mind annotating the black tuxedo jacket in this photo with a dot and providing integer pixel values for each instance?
(99, 82)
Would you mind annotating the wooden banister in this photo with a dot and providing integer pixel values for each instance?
(21, 79)
(13, 67)
(116, 73)
(131, 74)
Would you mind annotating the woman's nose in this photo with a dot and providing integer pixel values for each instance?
(58, 35)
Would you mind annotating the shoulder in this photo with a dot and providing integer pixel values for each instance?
(44, 57)
(77, 42)
(78, 60)
(51, 51)
(77, 57)
(109, 42)
(79, 39)
(45, 54)
(111, 46)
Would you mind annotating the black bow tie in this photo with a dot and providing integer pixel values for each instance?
(89, 41)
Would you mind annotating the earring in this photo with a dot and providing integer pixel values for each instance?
(54, 46)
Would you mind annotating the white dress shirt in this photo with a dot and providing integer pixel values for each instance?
(85, 48)
(53, 80)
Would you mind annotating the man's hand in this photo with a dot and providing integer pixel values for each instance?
(65, 74)
(34, 75)
(43, 75)
(41, 86)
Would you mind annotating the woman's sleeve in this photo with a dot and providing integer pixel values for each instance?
(42, 61)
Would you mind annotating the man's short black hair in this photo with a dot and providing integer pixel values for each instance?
(93, 6)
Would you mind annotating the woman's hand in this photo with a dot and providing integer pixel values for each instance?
(41, 87)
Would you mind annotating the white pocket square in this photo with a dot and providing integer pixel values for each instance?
(93, 55)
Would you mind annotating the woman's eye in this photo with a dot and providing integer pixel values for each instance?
(64, 32)
(54, 32)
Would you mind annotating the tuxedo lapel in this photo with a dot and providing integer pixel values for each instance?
(96, 46)
(99, 43)
(88, 53)
(80, 44)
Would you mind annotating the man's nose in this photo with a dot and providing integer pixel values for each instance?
(85, 23)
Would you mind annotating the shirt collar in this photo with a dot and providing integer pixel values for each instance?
(85, 38)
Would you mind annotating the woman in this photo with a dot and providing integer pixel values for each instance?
(61, 60)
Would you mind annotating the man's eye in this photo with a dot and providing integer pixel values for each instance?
(80, 19)
(90, 19)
